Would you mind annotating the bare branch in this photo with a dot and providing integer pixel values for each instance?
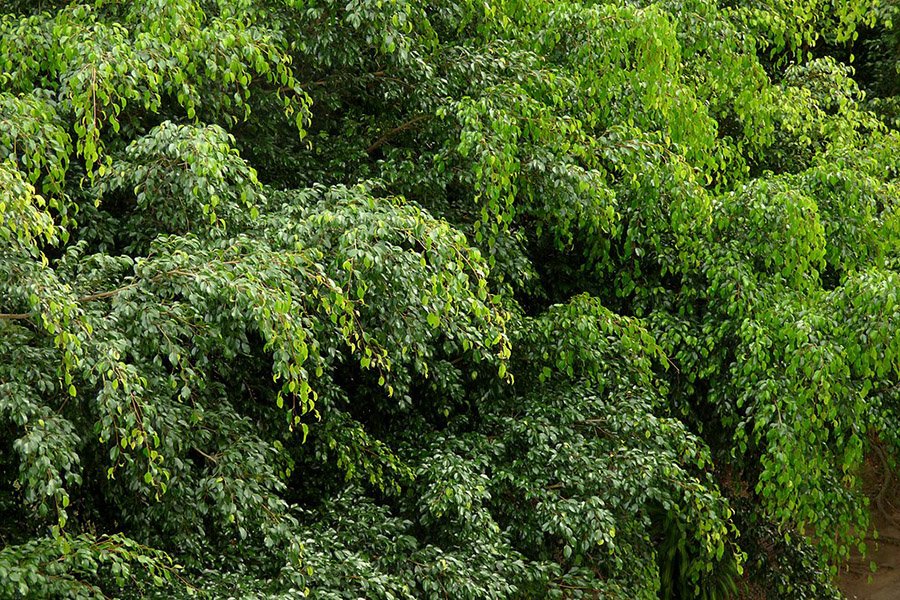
(393, 132)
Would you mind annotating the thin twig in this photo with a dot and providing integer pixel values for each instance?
(393, 132)
(212, 459)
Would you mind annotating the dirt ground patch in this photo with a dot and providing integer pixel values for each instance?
(885, 582)
(858, 582)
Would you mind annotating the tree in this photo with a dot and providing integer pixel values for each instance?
(387, 299)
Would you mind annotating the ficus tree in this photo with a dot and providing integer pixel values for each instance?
(396, 299)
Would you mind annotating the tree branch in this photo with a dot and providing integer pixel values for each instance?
(101, 295)
(393, 132)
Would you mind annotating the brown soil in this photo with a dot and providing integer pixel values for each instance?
(884, 584)
(857, 581)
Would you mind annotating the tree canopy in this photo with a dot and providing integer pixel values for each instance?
(494, 300)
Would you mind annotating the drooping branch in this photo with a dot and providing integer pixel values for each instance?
(100, 295)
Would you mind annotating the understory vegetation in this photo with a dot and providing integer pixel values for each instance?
(391, 299)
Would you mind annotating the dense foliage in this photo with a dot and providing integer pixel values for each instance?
(448, 299)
